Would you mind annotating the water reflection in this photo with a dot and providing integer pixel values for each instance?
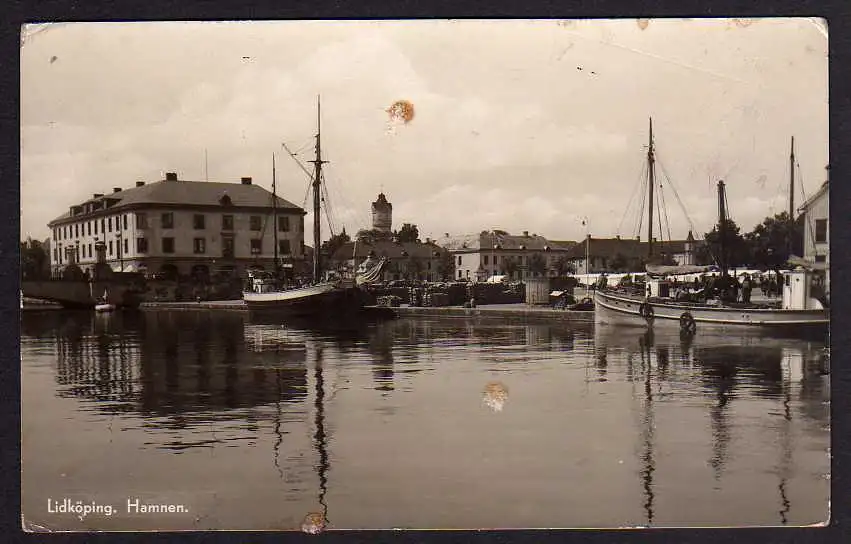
(729, 367)
(715, 412)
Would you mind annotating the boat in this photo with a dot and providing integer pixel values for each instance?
(103, 305)
(328, 295)
(658, 304)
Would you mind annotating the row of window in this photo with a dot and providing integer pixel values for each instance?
(199, 247)
(199, 222)
(86, 229)
(256, 223)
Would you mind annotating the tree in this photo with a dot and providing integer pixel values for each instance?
(619, 263)
(537, 264)
(562, 266)
(34, 260)
(330, 246)
(371, 235)
(509, 265)
(446, 266)
(775, 239)
(408, 233)
(736, 250)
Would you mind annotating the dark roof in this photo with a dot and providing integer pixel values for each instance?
(487, 241)
(628, 247)
(386, 248)
(197, 193)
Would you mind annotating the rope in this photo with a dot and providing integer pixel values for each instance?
(665, 209)
(676, 194)
(640, 218)
(635, 188)
(660, 207)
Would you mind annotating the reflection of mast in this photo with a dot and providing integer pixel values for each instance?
(649, 464)
(718, 415)
(319, 437)
(785, 451)
(280, 440)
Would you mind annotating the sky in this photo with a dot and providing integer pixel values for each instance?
(532, 126)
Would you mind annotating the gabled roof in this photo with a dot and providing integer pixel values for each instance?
(194, 193)
(818, 194)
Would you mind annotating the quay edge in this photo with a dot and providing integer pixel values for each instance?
(521, 311)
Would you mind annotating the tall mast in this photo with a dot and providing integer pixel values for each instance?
(722, 227)
(317, 181)
(275, 215)
(651, 159)
(792, 181)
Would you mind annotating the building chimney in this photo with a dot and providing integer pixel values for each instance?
(116, 189)
(140, 183)
(526, 233)
(171, 176)
(446, 235)
(638, 238)
(246, 181)
(617, 237)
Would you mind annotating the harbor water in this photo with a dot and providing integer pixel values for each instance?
(162, 420)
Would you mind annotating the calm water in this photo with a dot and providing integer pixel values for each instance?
(447, 423)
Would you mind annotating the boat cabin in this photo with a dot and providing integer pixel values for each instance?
(262, 282)
(658, 287)
(798, 292)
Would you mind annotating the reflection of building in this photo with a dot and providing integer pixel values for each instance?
(172, 364)
(179, 227)
(494, 253)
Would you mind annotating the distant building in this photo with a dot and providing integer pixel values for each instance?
(406, 260)
(628, 254)
(816, 212)
(382, 214)
(178, 227)
(496, 252)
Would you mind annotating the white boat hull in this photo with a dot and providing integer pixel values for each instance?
(623, 309)
(100, 308)
(315, 300)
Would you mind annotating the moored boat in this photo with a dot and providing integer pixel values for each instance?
(325, 297)
(801, 311)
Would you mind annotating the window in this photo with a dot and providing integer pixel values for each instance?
(459, 260)
(820, 258)
(89, 228)
(227, 222)
(126, 246)
(90, 250)
(77, 230)
(96, 226)
(168, 244)
(227, 247)
(198, 221)
(459, 273)
(256, 246)
(110, 248)
(283, 224)
(486, 259)
(125, 221)
(821, 230)
(141, 220)
(109, 223)
(199, 245)
(55, 258)
(255, 221)
(167, 220)
(284, 247)
(141, 245)
(103, 226)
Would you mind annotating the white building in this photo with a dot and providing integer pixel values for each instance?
(179, 227)
(816, 212)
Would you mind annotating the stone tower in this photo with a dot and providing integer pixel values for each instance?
(382, 214)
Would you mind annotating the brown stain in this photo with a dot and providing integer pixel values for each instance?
(495, 395)
(643, 23)
(314, 523)
(401, 110)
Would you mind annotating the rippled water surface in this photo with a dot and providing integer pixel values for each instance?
(447, 423)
